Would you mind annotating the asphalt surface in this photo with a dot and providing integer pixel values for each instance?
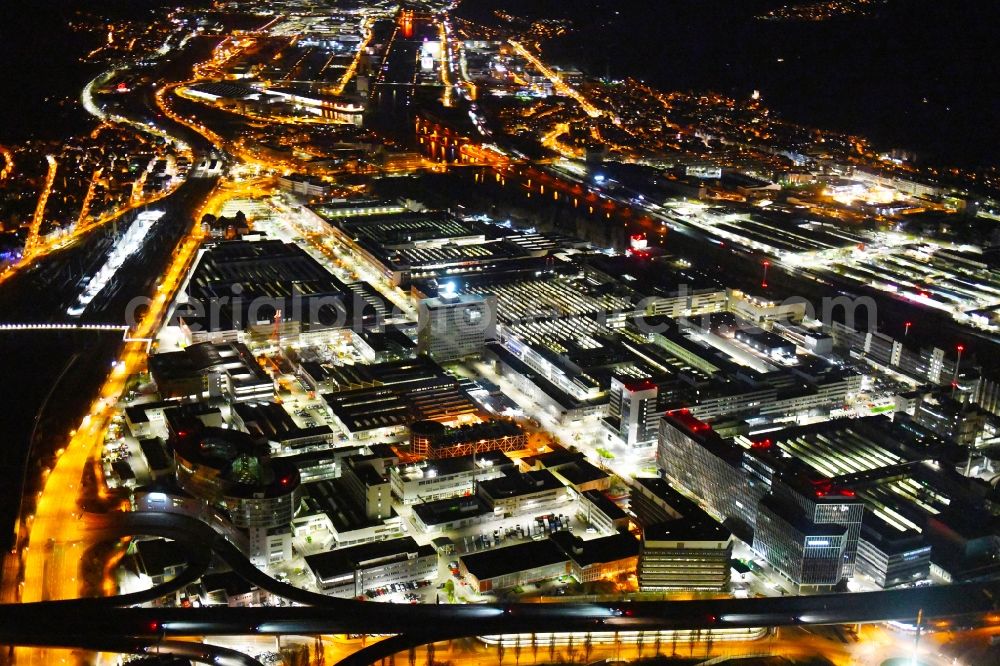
(88, 622)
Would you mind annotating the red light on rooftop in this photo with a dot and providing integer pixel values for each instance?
(821, 487)
(638, 243)
(688, 421)
(762, 444)
(961, 348)
(847, 492)
(644, 385)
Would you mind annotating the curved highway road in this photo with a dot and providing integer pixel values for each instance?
(76, 622)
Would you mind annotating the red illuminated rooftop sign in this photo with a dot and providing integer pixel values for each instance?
(645, 385)
(684, 417)
(824, 488)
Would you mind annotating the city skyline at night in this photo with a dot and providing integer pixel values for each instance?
(352, 331)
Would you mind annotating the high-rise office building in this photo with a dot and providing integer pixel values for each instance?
(961, 422)
(809, 554)
(452, 326)
(804, 523)
(632, 412)
(682, 546)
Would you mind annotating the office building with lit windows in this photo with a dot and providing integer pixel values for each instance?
(450, 514)
(800, 522)
(350, 572)
(234, 472)
(601, 512)
(682, 546)
(632, 412)
(960, 422)
(230, 470)
(451, 326)
(890, 556)
(521, 491)
(807, 553)
(693, 456)
(801, 494)
(430, 480)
